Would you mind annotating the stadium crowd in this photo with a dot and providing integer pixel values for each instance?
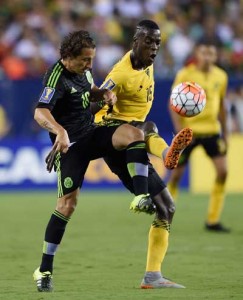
(31, 31)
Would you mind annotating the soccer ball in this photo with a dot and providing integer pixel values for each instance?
(188, 99)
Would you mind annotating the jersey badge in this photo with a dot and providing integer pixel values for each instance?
(73, 90)
(110, 84)
(47, 95)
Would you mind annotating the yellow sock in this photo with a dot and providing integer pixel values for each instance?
(155, 144)
(216, 203)
(157, 245)
(173, 188)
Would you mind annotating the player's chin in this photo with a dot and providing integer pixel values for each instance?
(149, 61)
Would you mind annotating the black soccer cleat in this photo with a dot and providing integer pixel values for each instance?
(218, 227)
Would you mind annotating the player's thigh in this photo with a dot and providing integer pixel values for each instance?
(214, 146)
(126, 134)
(71, 168)
(101, 143)
(216, 149)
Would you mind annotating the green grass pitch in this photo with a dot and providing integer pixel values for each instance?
(103, 252)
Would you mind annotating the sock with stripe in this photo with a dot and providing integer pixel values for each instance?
(137, 164)
(53, 236)
(157, 245)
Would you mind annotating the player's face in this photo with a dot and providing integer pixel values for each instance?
(147, 46)
(206, 56)
(83, 62)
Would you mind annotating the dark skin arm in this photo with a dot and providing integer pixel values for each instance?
(223, 120)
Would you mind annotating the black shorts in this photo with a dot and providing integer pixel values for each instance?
(117, 164)
(71, 166)
(213, 145)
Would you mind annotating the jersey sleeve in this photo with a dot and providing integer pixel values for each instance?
(114, 82)
(51, 93)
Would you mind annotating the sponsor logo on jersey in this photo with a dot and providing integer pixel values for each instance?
(73, 90)
(47, 95)
(110, 84)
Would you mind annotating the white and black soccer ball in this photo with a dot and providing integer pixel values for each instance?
(188, 99)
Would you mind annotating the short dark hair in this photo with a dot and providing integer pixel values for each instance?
(74, 42)
(204, 41)
(148, 24)
(145, 24)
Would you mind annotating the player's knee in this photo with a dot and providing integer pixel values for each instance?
(222, 175)
(171, 209)
(67, 204)
(135, 134)
(149, 127)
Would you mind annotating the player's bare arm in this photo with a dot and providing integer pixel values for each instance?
(223, 120)
(45, 119)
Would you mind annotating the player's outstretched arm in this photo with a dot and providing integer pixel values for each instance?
(45, 119)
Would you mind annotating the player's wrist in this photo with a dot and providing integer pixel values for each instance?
(101, 103)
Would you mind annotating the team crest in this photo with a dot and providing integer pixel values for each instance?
(110, 84)
(47, 95)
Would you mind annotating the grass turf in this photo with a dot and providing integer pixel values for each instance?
(103, 253)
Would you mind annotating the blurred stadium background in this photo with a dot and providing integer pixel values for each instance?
(30, 35)
(209, 265)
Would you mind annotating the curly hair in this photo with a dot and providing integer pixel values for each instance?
(74, 42)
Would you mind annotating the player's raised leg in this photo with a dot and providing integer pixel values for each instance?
(137, 164)
(157, 146)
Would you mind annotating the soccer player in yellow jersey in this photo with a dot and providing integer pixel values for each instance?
(132, 81)
(209, 127)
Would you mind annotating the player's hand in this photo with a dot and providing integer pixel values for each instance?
(61, 145)
(109, 98)
(62, 142)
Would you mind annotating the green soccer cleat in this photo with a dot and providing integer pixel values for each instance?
(143, 203)
(160, 283)
(43, 280)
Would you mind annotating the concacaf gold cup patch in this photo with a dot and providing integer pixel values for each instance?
(47, 95)
(109, 84)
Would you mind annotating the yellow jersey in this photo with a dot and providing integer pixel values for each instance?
(134, 90)
(215, 84)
